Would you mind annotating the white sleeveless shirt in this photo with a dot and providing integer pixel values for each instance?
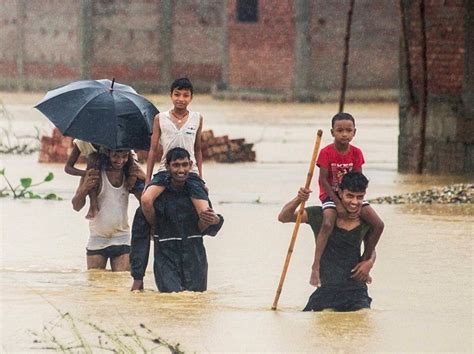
(110, 226)
(172, 137)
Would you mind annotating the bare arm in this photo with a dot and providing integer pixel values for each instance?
(207, 218)
(71, 161)
(198, 147)
(88, 182)
(155, 141)
(361, 271)
(137, 172)
(369, 215)
(288, 213)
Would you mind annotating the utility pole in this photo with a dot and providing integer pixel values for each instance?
(345, 63)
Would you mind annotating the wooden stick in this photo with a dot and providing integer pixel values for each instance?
(345, 63)
(298, 219)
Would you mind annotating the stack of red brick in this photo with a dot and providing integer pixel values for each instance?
(56, 148)
(221, 149)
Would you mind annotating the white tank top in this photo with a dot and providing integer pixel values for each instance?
(172, 137)
(110, 226)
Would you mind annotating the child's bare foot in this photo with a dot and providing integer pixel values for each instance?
(92, 213)
(314, 280)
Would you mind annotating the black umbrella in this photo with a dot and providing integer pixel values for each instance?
(101, 112)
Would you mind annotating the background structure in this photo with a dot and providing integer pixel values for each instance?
(420, 51)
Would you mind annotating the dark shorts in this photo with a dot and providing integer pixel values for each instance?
(194, 184)
(328, 203)
(338, 300)
(110, 252)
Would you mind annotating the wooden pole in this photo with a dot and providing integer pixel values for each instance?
(347, 39)
(424, 89)
(298, 219)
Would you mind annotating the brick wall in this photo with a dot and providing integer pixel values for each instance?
(261, 54)
(449, 125)
(373, 57)
(126, 41)
(125, 45)
(40, 46)
(197, 40)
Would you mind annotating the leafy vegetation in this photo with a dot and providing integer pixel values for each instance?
(72, 335)
(23, 189)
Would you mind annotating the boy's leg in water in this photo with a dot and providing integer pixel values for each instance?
(93, 163)
(120, 263)
(329, 219)
(148, 198)
(96, 262)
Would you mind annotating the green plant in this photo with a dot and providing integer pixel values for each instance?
(23, 189)
(69, 334)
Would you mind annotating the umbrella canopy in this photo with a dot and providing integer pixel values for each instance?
(101, 112)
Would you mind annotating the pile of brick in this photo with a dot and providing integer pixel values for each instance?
(223, 149)
(56, 148)
(218, 148)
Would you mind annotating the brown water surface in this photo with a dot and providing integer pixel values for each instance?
(422, 289)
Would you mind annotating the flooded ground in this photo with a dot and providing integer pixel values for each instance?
(423, 285)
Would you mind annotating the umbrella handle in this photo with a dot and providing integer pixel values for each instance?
(112, 86)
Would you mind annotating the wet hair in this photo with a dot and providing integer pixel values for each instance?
(104, 159)
(342, 116)
(182, 83)
(177, 153)
(354, 182)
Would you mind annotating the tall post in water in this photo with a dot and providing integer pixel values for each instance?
(424, 89)
(345, 63)
(86, 31)
(302, 75)
(166, 42)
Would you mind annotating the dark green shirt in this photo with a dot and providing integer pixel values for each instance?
(341, 255)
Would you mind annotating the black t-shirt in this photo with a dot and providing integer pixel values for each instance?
(342, 252)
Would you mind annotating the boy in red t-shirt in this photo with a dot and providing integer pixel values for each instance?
(334, 161)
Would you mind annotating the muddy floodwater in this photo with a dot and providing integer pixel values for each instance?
(422, 286)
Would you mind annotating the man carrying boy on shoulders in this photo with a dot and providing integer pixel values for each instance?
(109, 229)
(180, 261)
(344, 273)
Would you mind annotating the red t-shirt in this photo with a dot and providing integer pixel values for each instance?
(338, 165)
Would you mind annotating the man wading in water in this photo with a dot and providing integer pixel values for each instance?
(109, 231)
(180, 261)
(343, 271)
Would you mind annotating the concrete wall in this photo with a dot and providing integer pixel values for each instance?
(147, 43)
(263, 55)
(37, 48)
(446, 146)
(45, 43)
(373, 56)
